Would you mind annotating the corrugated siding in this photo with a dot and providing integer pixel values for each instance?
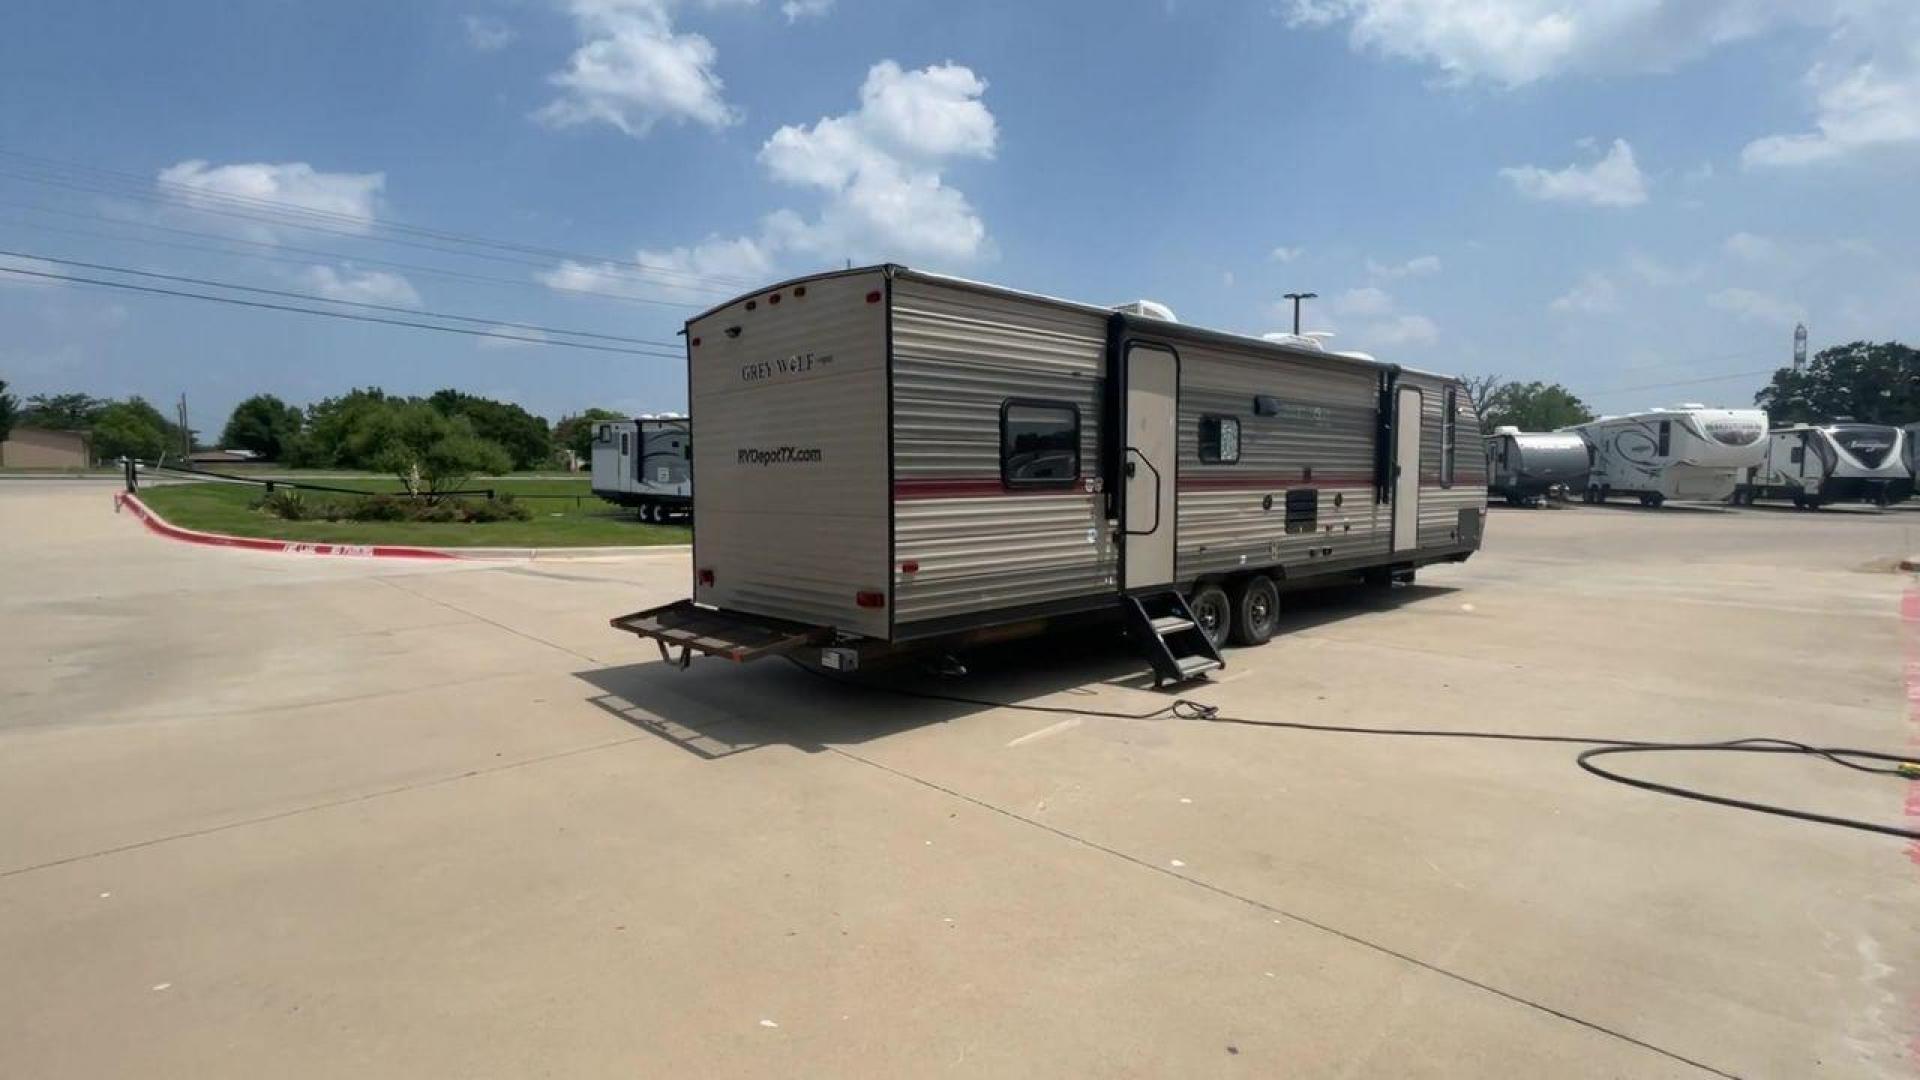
(1440, 504)
(1326, 425)
(795, 538)
(958, 356)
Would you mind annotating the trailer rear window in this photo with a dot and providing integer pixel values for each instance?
(1219, 440)
(1039, 443)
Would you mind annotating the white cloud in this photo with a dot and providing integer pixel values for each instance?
(880, 171)
(795, 10)
(1379, 320)
(1655, 272)
(1420, 266)
(1858, 103)
(1226, 279)
(881, 168)
(1284, 254)
(634, 69)
(1364, 301)
(1520, 41)
(1758, 307)
(1863, 84)
(487, 33)
(338, 200)
(1594, 295)
(1614, 180)
(1400, 330)
(1752, 248)
(361, 286)
(697, 275)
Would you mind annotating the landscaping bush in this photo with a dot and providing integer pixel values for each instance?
(283, 503)
(383, 508)
(504, 508)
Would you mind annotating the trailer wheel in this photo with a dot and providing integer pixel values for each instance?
(1256, 608)
(1214, 612)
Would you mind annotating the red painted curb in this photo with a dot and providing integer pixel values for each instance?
(161, 525)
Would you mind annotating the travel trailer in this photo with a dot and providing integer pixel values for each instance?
(1814, 464)
(647, 464)
(1523, 466)
(891, 459)
(1686, 452)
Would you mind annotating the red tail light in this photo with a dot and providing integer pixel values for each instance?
(870, 599)
(706, 577)
(774, 299)
(911, 566)
(696, 343)
(873, 297)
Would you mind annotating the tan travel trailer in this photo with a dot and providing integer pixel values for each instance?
(891, 458)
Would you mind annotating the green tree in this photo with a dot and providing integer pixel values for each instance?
(9, 411)
(344, 431)
(132, 428)
(1872, 382)
(575, 433)
(62, 412)
(433, 453)
(1534, 406)
(521, 434)
(263, 424)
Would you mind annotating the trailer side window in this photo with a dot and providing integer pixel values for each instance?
(606, 433)
(1666, 437)
(624, 451)
(1219, 440)
(1039, 443)
(1449, 437)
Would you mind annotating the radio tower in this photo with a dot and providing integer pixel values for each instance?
(1799, 346)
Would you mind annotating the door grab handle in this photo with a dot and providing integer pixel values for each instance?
(1156, 492)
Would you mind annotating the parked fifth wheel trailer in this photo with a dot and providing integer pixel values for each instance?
(1813, 464)
(645, 463)
(1522, 466)
(1687, 452)
(892, 459)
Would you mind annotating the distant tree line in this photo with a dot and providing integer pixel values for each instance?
(1529, 406)
(1874, 383)
(430, 439)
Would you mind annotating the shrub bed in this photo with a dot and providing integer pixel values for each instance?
(291, 505)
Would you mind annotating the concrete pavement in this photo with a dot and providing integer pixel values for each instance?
(327, 817)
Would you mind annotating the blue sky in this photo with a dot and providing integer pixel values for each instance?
(1614, 194)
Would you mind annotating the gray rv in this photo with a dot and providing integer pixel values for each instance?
(890, 458)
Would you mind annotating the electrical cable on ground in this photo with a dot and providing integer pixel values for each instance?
(1898, 766)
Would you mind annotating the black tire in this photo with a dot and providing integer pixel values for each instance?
(1214, 612)
(1655, 501)
(1256, 609)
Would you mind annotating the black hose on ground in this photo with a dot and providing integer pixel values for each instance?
(1897, 766)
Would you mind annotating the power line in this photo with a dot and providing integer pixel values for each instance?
(273, 211)
(348, 316)
(330, 300)
(416, 268)
(1686, 382)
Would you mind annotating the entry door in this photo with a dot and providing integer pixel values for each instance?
(1150, 465)
(1406, 470)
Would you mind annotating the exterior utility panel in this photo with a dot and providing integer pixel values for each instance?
(903, 456)
(1687, 452)
(1812, 464)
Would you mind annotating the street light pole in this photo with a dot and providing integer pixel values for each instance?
(1296, 297)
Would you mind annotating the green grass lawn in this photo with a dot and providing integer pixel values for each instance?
(565, 514)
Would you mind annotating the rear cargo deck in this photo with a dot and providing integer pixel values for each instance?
(712, 632)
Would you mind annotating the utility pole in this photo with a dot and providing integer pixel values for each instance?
(186, 433)
(1296, 297)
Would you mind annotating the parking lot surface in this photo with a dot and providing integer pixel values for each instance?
(276, 815)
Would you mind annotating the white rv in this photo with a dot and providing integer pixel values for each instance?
(645, 463)
(1522, 466)
(1813, 464)
(891, 458)
(1687, 452)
